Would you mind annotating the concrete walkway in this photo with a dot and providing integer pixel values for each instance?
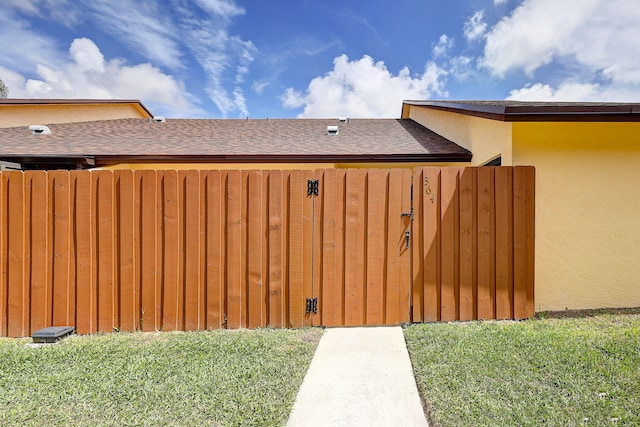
(359, 377)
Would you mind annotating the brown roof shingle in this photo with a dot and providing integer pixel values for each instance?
(235, 140)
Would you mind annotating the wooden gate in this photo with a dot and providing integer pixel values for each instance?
(189, 250)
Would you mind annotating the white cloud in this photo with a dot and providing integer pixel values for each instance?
(593, 41)
(445, 43)
(363, 88)
(88, 75)
(498, 2)
(227, 9)
(145, 28)
(567, 91)
(475, 27)
(57, 10)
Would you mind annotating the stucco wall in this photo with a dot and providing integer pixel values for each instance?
(25, 115)
(486, 139)
(587, 212)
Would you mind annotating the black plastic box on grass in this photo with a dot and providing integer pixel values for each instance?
(52, 334)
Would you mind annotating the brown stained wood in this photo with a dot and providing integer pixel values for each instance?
(107, 284)
(63, 289)
(276, 300)
(40, 221)
(126, 267)
(308, 238)
(395, 242)
(3, 254)
(193, 289)
(149, 253)
(85, 240)
(235, 290)
(486, 243)
(468, 244)
(417, 285)
(449, 217)
(432, 234)
(376, 226)
(318, 207)
(355, 257)
(255, 232)
(339, 306)
(523, 218)
(17, 281)
(330, 298)
(395, 246)
(215, 208)
(297, 193)
(504, 243)
(173, 292)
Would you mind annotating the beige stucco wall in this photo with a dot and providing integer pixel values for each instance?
(587, 212)
(44, 114)
(486, 139)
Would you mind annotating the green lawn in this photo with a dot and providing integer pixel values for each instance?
(152, 379)
(546, 371)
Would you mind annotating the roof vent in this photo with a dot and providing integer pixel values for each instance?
(343, 119)
(332, 130)
(39, 130)
(159, 119)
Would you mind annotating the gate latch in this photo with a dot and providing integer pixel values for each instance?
(407, 236)
(312, 305)
(409, 214)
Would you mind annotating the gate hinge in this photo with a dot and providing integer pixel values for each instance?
(312, 187)
(312, 305)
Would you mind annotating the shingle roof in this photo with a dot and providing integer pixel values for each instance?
(538, 111)
(236, 140)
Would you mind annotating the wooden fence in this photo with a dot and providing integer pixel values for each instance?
(189, 250)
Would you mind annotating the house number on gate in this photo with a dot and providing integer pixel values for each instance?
(427, 189)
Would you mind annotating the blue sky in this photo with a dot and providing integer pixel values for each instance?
(329, 58)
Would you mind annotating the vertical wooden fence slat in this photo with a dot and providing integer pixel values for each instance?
(316, 272)
(297, 193)
(276, 245)
(126, 231)
(486, 243)
(255, 233)
(418, 254)
(4, 264)
(397, 225)
(355, 257)
(375, 244)
(523, 246)
(86, 295)
(431, 220)
(396, 243)
(17, 280)
(172, 290)
(468, 244)
(331, 299)
(504, 242)
(449, 244)
(215, 206)
(107, 285)
(235, 288)
(63, 288)
(41, 291)
(341, 184)
(150, 282)
(193, 289)
(308, 236)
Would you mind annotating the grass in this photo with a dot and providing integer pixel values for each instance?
(214, 378)
(567, 371)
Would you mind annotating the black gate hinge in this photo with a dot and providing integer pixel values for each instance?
(312, 305)
(312, 187)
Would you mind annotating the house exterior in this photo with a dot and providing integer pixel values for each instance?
(587, 160)
(25, 112)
